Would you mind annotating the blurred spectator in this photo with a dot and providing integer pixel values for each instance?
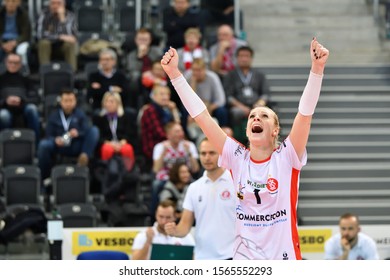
(218, 12)
(140, 60)
(177, 20)
(57, 33)
(155, 76)
(222, 53)
(15, 30)
(209, 88)
(68, 133)
(350, 243)
(143, 241)
(168, 152)
(192, 49)
(109, 78)
(174, 150)
(245, 87)
(155, 116)
(14, 88)
(116, 130)
(176, 187)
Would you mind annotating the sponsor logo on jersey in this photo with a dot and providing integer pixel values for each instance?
(272, 185)
(260, 217)
(256, 185)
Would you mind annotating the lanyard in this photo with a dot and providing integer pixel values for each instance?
(113, 123)
(65, 122)
(245, 79)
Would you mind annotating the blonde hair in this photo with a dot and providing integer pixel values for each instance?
(117, 98)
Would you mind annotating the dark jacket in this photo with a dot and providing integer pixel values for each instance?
(55, 127)
(13, 81)
(22, 23)
(118, 79)
(175, 26)
(125, 129)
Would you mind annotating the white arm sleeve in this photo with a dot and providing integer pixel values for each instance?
(310, 95)
(190, 99)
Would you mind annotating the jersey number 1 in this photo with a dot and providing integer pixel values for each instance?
(258, 199)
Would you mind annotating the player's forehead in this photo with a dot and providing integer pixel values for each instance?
(262, 110)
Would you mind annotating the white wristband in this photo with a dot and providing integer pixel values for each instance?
(310, 95)
(190, 99)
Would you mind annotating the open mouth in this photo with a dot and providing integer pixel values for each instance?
(257, 129)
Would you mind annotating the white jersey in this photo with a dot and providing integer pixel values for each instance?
(159, 238)
(267, 191)
(213, 205)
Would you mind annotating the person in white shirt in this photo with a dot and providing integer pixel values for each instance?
(350, 243)
(209, 201)
(142, 245)
(265, 176)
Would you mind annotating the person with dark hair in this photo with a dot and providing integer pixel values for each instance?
(68, 133)
(142, 245)
(210, 202)
(177, 19)
(350, 243)
(14, 106)
(57, 32)
(218, 12)
(245, 88)
(140, 59)
(265, 175)
(15, 30)
(176, 187)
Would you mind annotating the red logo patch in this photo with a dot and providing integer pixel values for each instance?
(225, 195)
(272, 185)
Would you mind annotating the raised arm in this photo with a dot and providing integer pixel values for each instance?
(191, 101)
(300, 130)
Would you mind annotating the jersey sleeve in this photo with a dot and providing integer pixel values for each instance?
(232, 154)
(287, 148)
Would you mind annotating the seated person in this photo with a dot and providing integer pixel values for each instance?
(13, 103)
(116, 131)
(218, 12)
(209, 88)
(57, 32)
(68, 133)
(15, 30)
(192, 49)
(245, 89)
(155, 76)
(155, 116)
(350, 243)
(142, 244)
(176, 187)
(108, 78)
(168, 152)
(140, 60)
(222, 53)
(176, 20)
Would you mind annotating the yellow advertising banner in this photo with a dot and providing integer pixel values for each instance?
(313, 240)
(83, 241)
